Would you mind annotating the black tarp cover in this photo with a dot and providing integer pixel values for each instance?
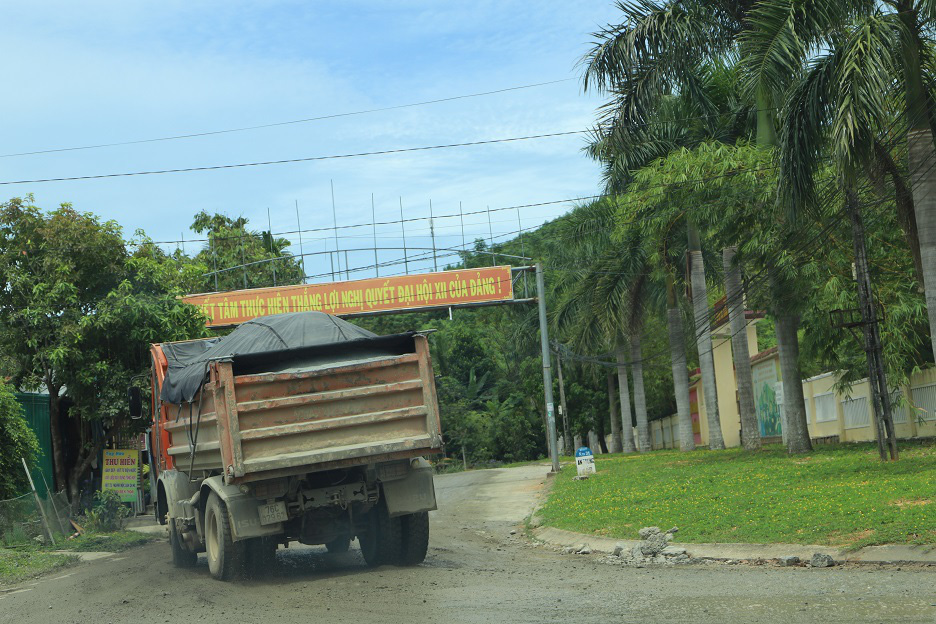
(270, 344)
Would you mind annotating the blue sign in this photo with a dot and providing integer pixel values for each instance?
(583, 451)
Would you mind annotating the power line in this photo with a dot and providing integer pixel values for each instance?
(284, 123)
(394, 222)
(295, 160)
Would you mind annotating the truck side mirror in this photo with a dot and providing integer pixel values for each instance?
(135, 398)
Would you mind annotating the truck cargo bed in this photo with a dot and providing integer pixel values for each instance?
(263, 425)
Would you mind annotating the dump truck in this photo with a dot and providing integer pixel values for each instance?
(297, 427)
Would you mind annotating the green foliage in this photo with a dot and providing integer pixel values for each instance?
(56, 267)
(107, 513)
(114, 541)
(80, 311)
(837, 496)
(231, 244)
(17, 441)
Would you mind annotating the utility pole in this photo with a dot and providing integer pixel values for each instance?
(214, 260)
(491, 235)
(435, 262)
(272, 257)
(335, 224)
(461, 216)
(301, 250)
(374, 229)
(566, 435)
(877, 380)
(244, 260)
(403, 229)
(547, 370)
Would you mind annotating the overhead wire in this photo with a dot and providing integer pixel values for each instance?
(284, 161)
(284, 123)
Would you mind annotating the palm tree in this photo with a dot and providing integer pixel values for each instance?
(731, 206)
(874, 65)
(623, 150)
(670, 46)
(846, 105)
(734, 300)
(601, 301)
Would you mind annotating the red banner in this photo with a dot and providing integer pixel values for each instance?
(404, 292)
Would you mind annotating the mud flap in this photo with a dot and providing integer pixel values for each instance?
(413, 493)
(243, 509)
(178, 490)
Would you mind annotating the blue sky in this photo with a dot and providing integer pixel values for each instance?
(98, 72)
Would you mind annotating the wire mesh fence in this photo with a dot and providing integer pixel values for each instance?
(26, 519)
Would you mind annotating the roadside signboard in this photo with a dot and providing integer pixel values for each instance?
(358, 297)
(121, 473)
(584, 461)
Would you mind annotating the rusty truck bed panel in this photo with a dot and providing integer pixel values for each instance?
(261, 425)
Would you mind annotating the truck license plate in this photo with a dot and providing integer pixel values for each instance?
(272, 513)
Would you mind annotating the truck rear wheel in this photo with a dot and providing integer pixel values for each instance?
(182, 557)
(382, 542)
(414, 529)
(225, 556)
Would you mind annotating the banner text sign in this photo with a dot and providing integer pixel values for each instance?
(121, 472)
(403, 292)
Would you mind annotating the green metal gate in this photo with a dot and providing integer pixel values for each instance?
(36, 408)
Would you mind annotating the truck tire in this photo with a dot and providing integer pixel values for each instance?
(182, 557)
(339, 545)
(225, 556)
(414, 529)
(382, 542)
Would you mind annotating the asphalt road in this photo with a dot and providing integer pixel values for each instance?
(475, 572)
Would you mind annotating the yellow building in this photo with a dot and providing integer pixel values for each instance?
(832, 415)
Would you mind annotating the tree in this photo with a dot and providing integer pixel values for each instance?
(727, 190)
(625, 144)
(671, 46)
(238, 257)
(77, 316)
(845, 106)
(601, 305)
(880, 55)
(17, 441)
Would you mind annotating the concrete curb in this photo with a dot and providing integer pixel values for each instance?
(150, 529)
(85, 555)
(896, 553)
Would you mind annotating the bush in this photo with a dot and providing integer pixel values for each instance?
(16, 440)
(107, 513)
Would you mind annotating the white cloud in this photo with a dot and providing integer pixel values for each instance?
(96, 72)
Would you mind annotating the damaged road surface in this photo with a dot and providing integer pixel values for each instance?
(476, 571)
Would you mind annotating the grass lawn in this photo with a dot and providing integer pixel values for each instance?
(29, 558)
(16, 565)
(107, 542)
(840, 495)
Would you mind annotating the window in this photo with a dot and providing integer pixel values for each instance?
(825, 407)
(856, 413)
(924, 401)
(898, 412)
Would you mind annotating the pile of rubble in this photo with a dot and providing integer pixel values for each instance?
(653, 548)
